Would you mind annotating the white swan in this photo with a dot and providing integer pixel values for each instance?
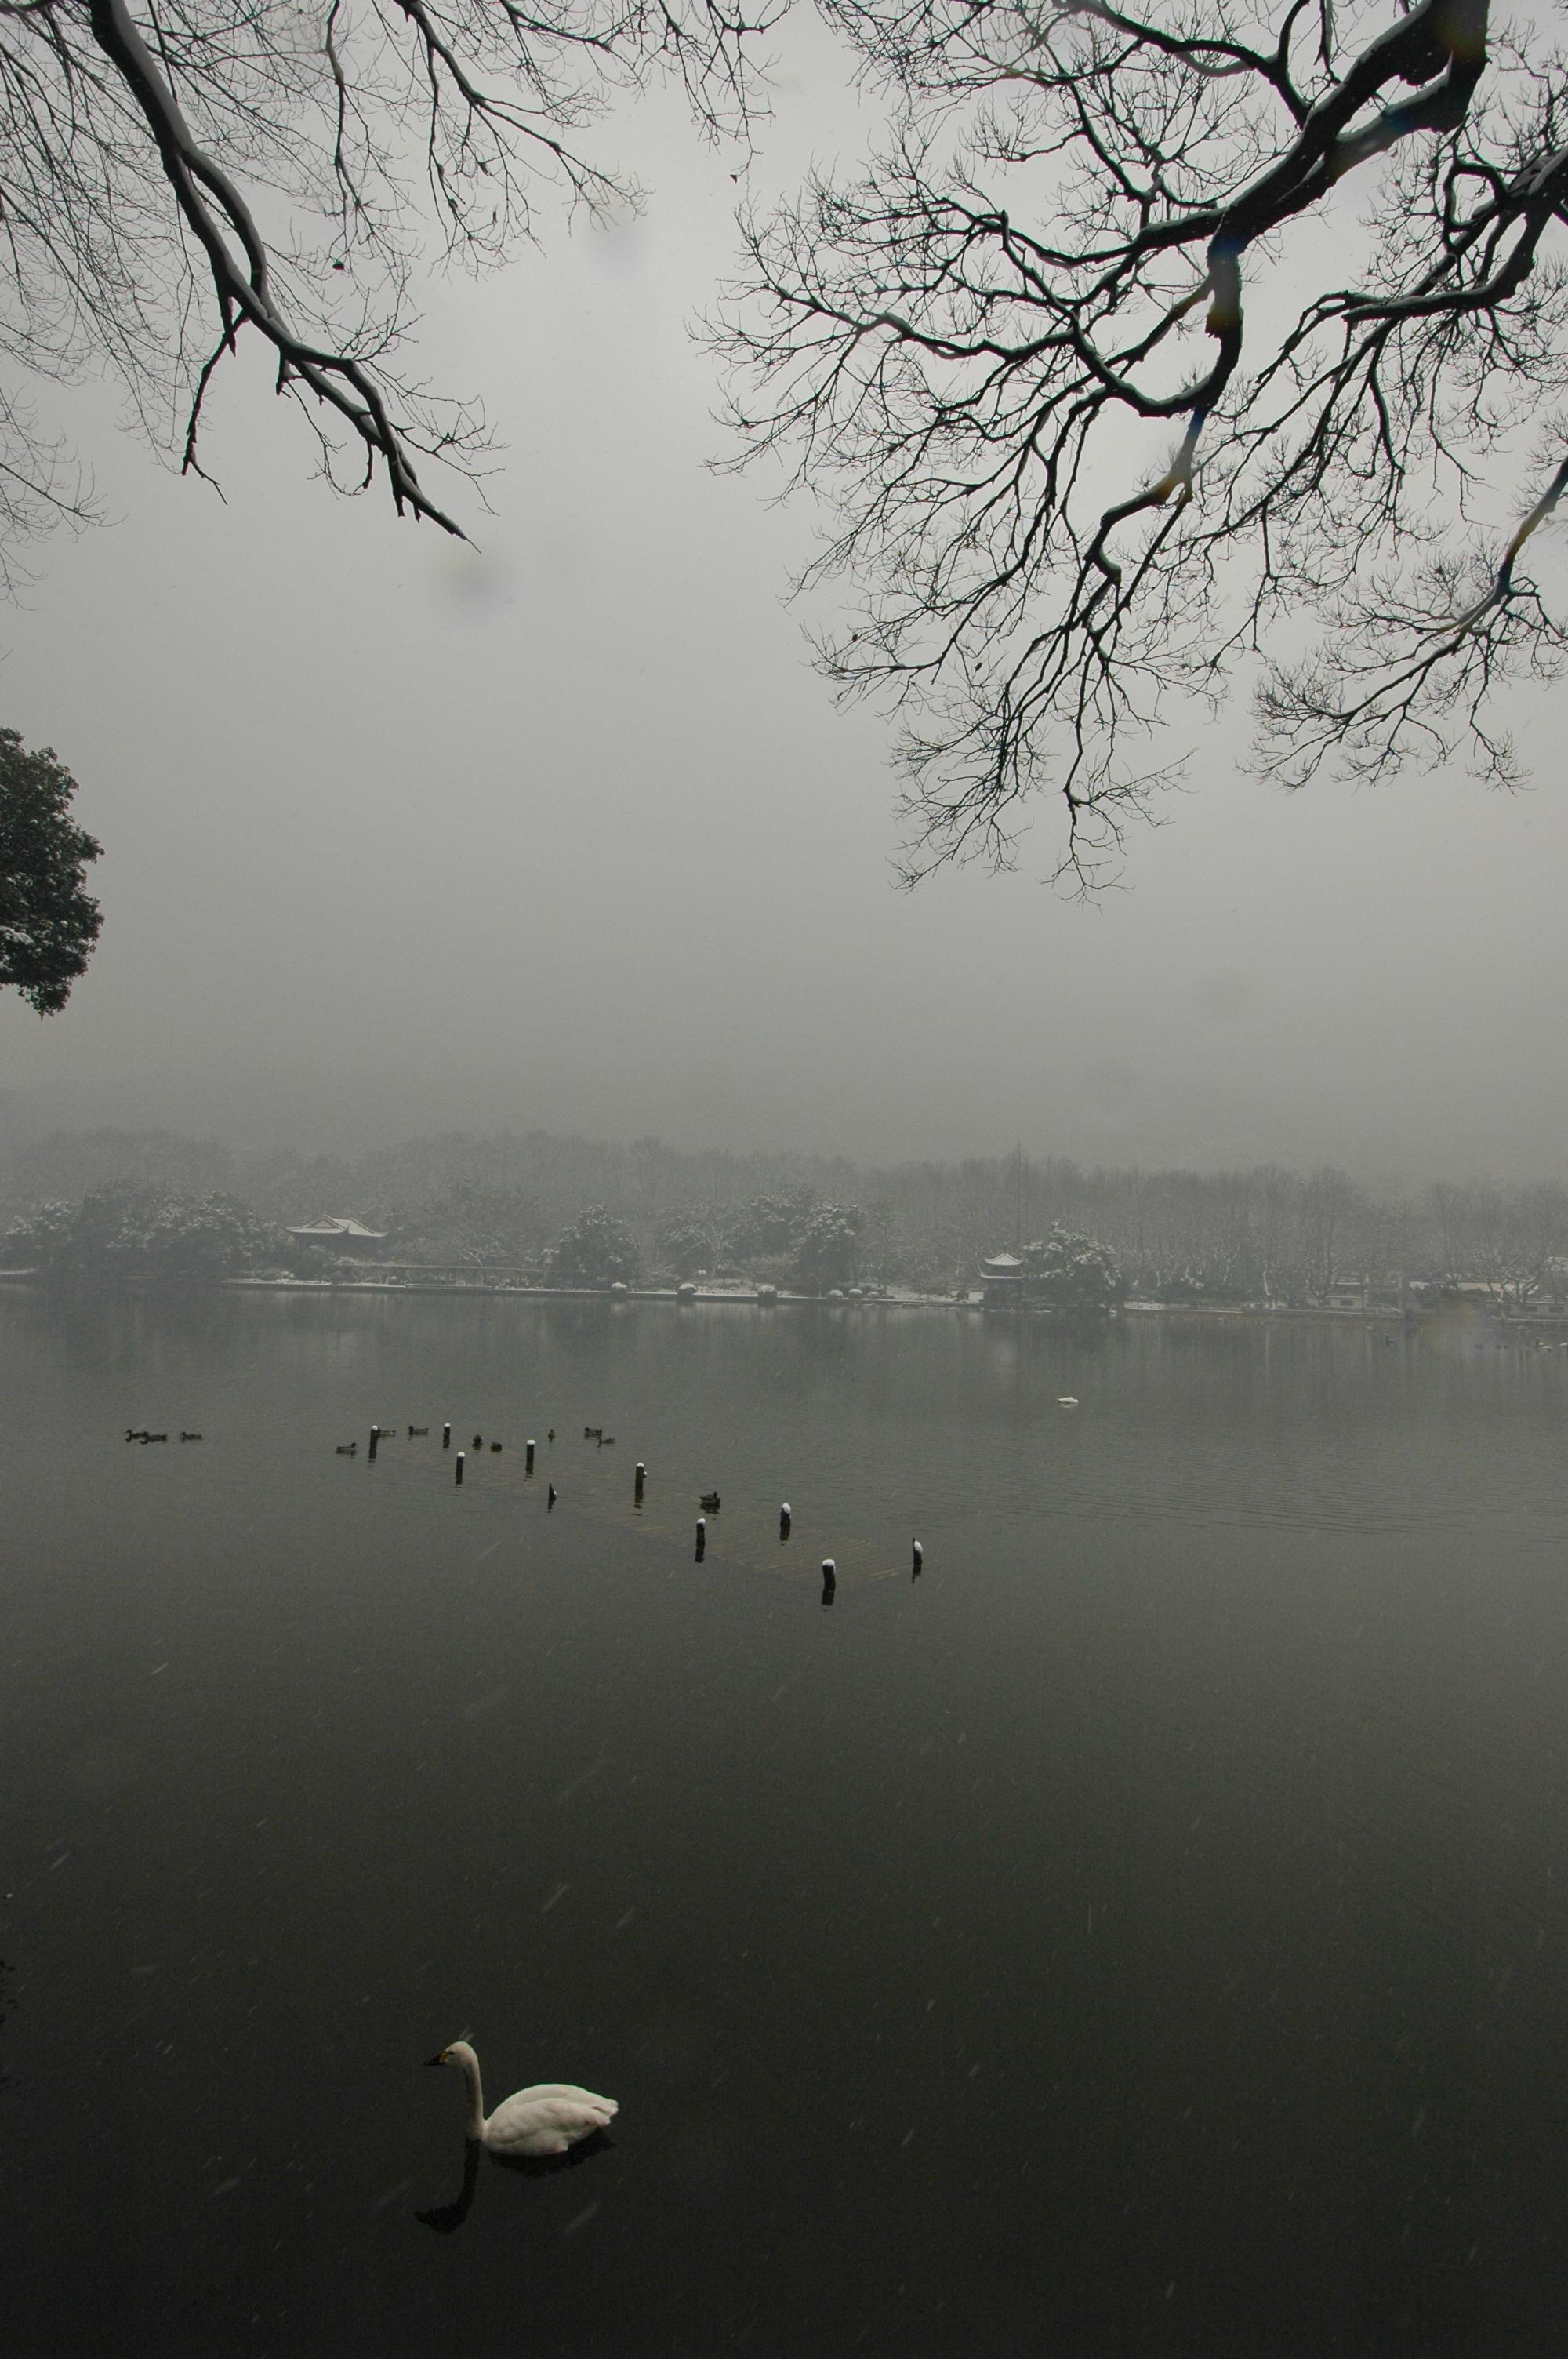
(547, 2119)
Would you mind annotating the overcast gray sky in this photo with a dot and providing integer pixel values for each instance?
(568, 832)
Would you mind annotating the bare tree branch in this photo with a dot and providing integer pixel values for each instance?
(175, 173)
(1094, 225)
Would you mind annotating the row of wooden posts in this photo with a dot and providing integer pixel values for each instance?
(640, 1476)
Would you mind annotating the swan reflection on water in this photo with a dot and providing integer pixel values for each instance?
(445, 2217)
(553, 2126)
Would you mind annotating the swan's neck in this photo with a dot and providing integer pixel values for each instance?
(476, 2095)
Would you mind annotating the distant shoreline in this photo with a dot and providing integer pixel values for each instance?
(749, 1299)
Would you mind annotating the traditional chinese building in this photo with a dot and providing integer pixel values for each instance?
(340, 1235)
(1001, 1281)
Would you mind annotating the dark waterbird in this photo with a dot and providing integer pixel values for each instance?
(346, 1449)
(191, 1437)
(593, 1433)
(135, 1433)
(152, 1437)
(416, 1429)
(495, 1447)
(709, 1499)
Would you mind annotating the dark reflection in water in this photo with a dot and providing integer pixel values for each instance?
(446, 2217)
(1144, 1933)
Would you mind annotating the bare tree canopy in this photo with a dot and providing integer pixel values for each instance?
(176, 174)
(1159, 340)
(1154, 344)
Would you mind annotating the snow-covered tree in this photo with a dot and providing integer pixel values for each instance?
(1064, 1271)
(597, 1250)
(827, 1253)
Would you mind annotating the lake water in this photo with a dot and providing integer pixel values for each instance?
(1143, 1933)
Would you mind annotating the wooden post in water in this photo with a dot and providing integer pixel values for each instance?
(375, 1438)
(446, 1437)
(459, 1467)
(783, 1521)
(918, 1560)
(528, 1459)
(830, 1579)
(551, 1494)
(639, 1478)
(701, 1537)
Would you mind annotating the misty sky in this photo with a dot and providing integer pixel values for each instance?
(568, 832)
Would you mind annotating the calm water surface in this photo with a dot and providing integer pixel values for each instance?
(1144, 1933)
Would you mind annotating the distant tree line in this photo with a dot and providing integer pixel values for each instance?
(119, 1232)
(105, 1203)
